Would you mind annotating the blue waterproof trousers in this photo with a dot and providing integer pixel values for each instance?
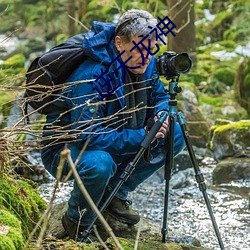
(99, 171)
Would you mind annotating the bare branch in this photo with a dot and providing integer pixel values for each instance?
(66, 154)
(79, 22)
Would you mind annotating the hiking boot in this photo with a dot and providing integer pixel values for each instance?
(75, 231)
(121, 211)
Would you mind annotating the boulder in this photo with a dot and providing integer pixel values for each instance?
(150, 235)
(231, 169)
(197, 125)
(232, 139)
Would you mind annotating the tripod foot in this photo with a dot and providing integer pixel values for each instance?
(164, 232)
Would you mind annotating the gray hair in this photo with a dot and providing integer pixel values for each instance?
(135, 22)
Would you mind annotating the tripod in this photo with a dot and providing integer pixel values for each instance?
(129, 169)
(169, 163)
(173, 90)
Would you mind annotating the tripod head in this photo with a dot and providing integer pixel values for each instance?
(174, 89)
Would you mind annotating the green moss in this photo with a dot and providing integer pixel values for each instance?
(14, 234)
(219, 102)
(13, 71)
(228, 45)
(16, 237)
(239, 128)
(235, 125)
(16, 61)
(128, 244)
(22, 200)
(214, 101)
(6, 243)
(9, 219)
(224, 75)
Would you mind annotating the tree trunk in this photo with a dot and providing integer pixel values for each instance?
(83, 7)
(183, 16)
(72, 13)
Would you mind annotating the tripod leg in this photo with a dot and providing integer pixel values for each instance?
(168, 173)
(199, 177)
(129, 168)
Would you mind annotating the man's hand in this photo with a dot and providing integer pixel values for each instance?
(164, 128)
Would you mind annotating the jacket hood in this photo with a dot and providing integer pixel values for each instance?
(98, 43)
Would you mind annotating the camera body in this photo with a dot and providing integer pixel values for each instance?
(171, 65)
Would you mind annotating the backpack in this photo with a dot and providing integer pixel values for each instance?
(48, 73)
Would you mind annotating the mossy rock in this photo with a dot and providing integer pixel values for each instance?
(128, 244)
(150, 235)
(231, 169)
(22, 200)
(10, 231)
(232, 139)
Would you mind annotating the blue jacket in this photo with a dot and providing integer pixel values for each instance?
(84, 102)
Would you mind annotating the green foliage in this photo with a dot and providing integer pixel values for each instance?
(224, 75)
(230, 23)
(219, 102)
(12, 67)
(16, 61)
(214, 101)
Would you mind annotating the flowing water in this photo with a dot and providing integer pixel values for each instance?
(187, 212)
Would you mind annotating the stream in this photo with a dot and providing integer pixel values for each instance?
(187, 212)
(188, 215)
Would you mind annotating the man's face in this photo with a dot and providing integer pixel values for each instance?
(136, 59)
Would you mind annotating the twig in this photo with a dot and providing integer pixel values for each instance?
(45, 217)
(66, 154)
(137, 236)
(99, 238)
(77, 21)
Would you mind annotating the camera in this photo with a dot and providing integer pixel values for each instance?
(172, 65)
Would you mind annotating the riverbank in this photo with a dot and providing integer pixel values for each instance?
(188, 215)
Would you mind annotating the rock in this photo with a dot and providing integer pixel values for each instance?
(181, 179)
(232, 139)
(149, 238)
(197, 125)
(227, 110)
(231, 169)
(188, 95)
